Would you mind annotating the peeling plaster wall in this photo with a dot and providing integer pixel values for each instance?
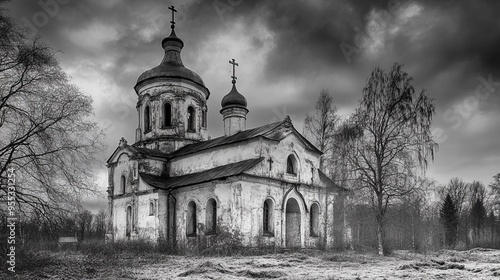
(240, 203)
(279, 153)
(235, 120)
(254, 148)
(239, 199)
(200, 194)
(215, 157)
(145, 225)
(123, 166)
(253, 196)
(151, 166)
(240, 208)
(143, 186)
(180, 95)
(120, 216)
(137, 195)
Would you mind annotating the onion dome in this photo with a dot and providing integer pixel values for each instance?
(171, 66)
(234, 99)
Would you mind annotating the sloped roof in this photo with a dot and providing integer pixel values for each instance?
(149, 152)
(140, 151)
(232, 169)
(270, 131)
(329, 183)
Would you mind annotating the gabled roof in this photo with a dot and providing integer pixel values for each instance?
(224, 171)
(274, 131)
(140, 152)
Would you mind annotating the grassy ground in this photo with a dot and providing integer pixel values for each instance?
(122, 264)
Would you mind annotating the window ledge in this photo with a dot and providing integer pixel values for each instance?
(191, 235)
(211, 233)
(268, 234)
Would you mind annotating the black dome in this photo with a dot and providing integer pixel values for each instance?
(233, 99)
(171, 71)
(171, 65)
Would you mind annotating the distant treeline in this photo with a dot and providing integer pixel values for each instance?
(40, 231)
(462, 217)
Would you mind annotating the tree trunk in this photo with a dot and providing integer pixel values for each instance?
(413, 245)
(380, 236)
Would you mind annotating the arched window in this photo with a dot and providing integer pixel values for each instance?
(191, 219)
(191, 119)
(151, 208)
(128, 227)
(123, 184)
(167, 114)
(314, 219)
(291, 165)
(204, 118)
(267, 215)
(147, 119)
(211, 216)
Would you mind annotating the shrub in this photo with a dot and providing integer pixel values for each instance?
(224, 243)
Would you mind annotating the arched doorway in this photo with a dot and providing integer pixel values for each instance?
(293, 221)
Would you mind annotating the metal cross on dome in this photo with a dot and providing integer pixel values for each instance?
(172, 8)
(233, 62)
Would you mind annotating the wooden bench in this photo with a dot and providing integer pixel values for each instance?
(68, 242)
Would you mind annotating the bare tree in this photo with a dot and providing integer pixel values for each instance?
(416, 202)
(47, 132)
(320, 127)
(495, 187)
(390, 139)
(84, 221)
(99, 224)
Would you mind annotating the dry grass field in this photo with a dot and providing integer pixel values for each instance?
(445, 264)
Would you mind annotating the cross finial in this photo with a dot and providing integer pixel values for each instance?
(173, 16)
(233, 62)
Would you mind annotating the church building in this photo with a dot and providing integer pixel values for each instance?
(174, 184)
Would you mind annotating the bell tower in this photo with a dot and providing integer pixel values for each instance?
(172, 101)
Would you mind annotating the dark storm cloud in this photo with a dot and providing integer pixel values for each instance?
(456, 33)
(446, 46)
(307, 37)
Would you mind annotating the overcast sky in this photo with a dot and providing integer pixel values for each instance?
(288, 51)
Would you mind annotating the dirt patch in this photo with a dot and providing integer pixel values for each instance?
(475, 264)
(267, 274)
(206, 267)
(434, 264)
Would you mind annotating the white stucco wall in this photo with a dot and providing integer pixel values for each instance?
(180, 95)
(254, 148)
(239, 199)
(215, 157)
(240, 208)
